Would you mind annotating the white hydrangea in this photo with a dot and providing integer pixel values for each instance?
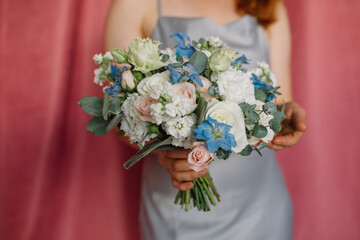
(264, 120)
(97, 79)
(215, 41)
(180, 127)
(137, 130)
(236, 86)
(98, 58)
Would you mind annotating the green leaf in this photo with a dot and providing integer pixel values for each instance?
(213, 90)
(259, 131)
(202, 40)
(258, 151)
(279, 116)
(176, 65)
(246, 151)
(201, 110)
(260, 95)
(261, 146)
(269, 108)
(179, 59)
(115, 104)
(91, 105)
(105, 110)
(165, 58)
(222, 154)
(146, 150)
(275, 125)
(199, 60)
(252, 115)
(113, 122)
(247, 107)
(194, 42)
(97, 126)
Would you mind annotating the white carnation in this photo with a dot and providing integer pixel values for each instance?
(137, 130)
(180, 127)
(236, 86)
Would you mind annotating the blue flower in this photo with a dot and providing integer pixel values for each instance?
(114, 89)
(217, 135)
(184, 48)
(261, 84)
(240, 60)
(188, 72)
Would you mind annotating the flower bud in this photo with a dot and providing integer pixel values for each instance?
(128, 81)
(119, 56)
(221, 59)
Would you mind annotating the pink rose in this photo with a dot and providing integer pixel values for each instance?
(204, 90)
(142, 107)
(186, 89)
(128, 81)
(200, 157)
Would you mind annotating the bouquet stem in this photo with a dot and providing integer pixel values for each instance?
(200, 194)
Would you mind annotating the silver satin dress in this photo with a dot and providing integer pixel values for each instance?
(255, 203)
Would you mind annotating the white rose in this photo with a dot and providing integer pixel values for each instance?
(221, 59)
(149, 84)
(144, 54)
(231, 114)
(236, 86)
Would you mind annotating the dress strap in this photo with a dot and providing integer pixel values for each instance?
(159, 7)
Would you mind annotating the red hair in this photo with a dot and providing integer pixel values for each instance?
(263, 10)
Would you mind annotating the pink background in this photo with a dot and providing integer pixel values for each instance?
(58, 182)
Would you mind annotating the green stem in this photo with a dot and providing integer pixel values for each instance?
(187, 200)
(208, 178)
(210, 196)
(177, 197)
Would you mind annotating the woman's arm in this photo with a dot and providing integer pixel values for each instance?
(280, 60)
(129, 19)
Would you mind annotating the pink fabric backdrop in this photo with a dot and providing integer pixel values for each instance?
(58, 182)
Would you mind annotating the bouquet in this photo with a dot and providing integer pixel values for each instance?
(198, 95)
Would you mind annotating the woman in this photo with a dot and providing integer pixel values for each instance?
(255, 202)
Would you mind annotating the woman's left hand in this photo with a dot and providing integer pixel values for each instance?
(292, 130)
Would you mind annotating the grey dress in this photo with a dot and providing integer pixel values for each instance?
(255, 203)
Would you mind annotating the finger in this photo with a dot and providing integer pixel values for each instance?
(188, 175)
(275, 147)
(287, 140)
(180, 165)
(300, 125)
(183, 186)
(177, 153)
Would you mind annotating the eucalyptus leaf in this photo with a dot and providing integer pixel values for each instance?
(91, 105)
(261, 146)
(115, 105)
(179, 59)
(199, 61)
(202, 40)
(97, 126)
(222, 154)
(258, 151)
(247, 107)
(260, 95)
(213, 90)
(105, 109)
(275, 125)
(252, 115)
(269, 108)
(201, 110)
(166, 147)
(146, 150)
(176, 65)
(113, 122)
(246, 151)
(259, 131)
(165, 58)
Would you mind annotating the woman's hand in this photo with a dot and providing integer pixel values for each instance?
(292, 130)
(176, 163)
